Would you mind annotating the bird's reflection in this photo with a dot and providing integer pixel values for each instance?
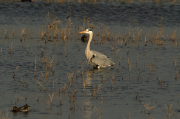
(22, 113)
(90, 75)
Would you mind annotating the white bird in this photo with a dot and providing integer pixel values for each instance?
(96, 59)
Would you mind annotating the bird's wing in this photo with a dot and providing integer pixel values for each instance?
(101, 60)
(99, 55)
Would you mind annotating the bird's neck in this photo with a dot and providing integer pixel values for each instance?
(89, 42)
(88, 52)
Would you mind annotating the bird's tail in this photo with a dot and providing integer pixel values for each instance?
(112, 63)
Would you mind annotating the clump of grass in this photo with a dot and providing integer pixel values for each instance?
(52, 98)
(168, 111)
(148, 107)
(5, 117)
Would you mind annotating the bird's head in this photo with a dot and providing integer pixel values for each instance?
(87, 31)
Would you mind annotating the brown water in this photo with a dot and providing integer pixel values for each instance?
(107, 101)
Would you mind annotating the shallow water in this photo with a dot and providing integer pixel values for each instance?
(68, 57)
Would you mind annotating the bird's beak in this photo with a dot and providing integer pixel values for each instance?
(83, 32)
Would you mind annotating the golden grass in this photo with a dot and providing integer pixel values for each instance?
(52, 98)
(5, 117)
(148, 107)
(168, 111)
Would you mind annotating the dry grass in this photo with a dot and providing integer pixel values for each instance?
(52, 98)
(168, 111)
(18, 97)
(5, 117)
(15, 71)
(148, 107)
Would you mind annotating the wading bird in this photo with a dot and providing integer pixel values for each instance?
(96, 59)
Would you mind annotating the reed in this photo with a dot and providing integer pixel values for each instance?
(35, 66)
(160, 83)
(13, 33)
(1, 51)
(70, 77)
(60, 91)
(52, 98)
(137, 94)
(173, 37)
(168, 111)
(5, 117)
(11, 50)
(23, 34)
(18, 97)
(112, 81)
(5, 33)
(15, 71)
(84, 84)
(148, 107)
(99, 112)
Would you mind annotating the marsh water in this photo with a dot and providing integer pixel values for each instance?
(146, 70)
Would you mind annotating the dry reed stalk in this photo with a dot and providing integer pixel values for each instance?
(64, 87)
(60, 90)
(18, 96)
(99, 112)
(112, 81)
(5, 117)
(54, 83)
(175, 62)
(168, 111)
(173, 37)
(70, 76)
(137, 94)
(148, 107)
(112, 47)
(35, 66)
(42, 52)
(84, 84)
(13, 33)
(99, 86)
(27, 50)
(11, 49)
(160, 83)
(15, 71)
(46, 79)
(137, 58)
(5, 33)
(133, 36)
(51, 98)
(23, 34)
(1, 51)
(119, 61)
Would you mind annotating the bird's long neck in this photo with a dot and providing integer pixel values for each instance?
(89, 42)
(88, 52)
